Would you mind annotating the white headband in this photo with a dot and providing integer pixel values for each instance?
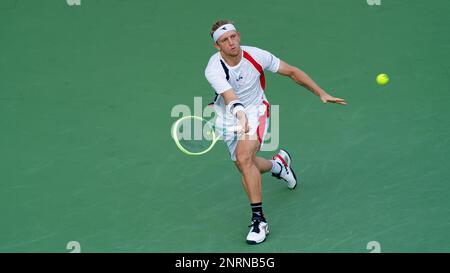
(222, 30)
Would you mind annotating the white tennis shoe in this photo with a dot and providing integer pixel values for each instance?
(258, 232)
(287, 173)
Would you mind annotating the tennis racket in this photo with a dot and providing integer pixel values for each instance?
(194, 135)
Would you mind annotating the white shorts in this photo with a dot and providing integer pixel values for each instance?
(258, 120)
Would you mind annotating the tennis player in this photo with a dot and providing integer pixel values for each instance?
(236, 73)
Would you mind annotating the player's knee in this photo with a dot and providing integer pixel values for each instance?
(244, 161)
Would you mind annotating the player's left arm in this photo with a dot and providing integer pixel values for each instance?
(304, 80)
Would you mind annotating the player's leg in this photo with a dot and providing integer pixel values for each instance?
(280, 165)
(251, 178)
(245, 162)
(263, 164)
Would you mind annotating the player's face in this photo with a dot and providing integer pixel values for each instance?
(230, 43)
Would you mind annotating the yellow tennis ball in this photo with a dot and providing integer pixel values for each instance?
(382, 79)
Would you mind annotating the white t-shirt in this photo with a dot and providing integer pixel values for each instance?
(244, 78)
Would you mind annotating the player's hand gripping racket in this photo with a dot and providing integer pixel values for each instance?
(194, 135)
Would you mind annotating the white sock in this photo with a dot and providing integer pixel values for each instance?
(276, 168)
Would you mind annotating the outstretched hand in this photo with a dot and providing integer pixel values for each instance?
(327, 98)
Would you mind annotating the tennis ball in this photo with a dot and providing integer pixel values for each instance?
(382, 79)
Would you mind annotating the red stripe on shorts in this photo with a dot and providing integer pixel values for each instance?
(261, 128)
(262, 123)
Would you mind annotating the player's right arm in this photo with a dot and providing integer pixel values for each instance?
(229, 97)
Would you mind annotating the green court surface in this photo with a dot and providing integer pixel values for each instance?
(86, 94)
